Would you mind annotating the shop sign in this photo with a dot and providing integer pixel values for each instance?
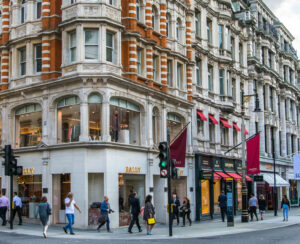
(217, 164)
(28, 171)
(238, 165)
(258, 178)
(132, 170)
(228, 164)
(207, 175)
(205, 163)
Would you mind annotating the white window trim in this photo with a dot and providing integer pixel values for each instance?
(70, 48)
(35, 59)
(91, 60)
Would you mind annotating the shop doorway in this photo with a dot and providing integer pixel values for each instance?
(30, 191)
(61, 186)
(128, 184)
(178, 187)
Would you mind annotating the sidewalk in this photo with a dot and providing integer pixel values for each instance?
(198, 229)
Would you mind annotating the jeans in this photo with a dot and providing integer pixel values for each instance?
(71, 219)
(285, 211)
(253, 211)
(107, 223)
(134, 219)
(188, 217)
(3, 211)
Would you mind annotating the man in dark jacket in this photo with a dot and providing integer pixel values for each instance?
(135, 211)
(223, 205)
(176, 205)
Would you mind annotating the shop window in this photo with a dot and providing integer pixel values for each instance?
(124, 121)
(38, 9)
(72, 46)
(23, 12)
(174, 125)
(155, 125)
(30, 192)
(110, 47)
(28, 125)
(239, 195)
(294, 192)
(38, 58)
(91, 44)
(205, 197)
(22, 61)
(217, 193)
(68, 120)
(95, 112)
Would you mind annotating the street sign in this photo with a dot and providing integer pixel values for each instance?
(258, 178)
(164, 173)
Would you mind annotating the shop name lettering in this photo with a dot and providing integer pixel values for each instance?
(134, 170)
(28, 171)
(228, 165)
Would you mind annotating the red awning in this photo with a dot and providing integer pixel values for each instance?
(236, 127)
(225, 123)
(223, 175)
(216, 176)
(213, 120)
(248, 178)
(235, 176)
(201, 115)
(246, 132)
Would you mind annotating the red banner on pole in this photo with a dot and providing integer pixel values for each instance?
(178, 149)
(253, 156)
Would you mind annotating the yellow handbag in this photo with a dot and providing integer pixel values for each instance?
(151, 221)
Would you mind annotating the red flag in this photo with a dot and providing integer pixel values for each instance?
(178, 149)
(253, 156)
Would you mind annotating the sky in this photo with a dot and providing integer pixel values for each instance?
(288, 13)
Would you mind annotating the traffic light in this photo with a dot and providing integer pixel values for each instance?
(174, 170)
(6, 156)
(164, 159)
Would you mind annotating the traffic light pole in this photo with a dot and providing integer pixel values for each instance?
(11, 201)
(169, 189)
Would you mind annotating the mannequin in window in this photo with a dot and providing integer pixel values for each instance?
(115, 126)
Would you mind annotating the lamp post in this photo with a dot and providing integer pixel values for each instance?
(245, 216)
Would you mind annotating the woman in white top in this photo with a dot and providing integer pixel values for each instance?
(70, 209)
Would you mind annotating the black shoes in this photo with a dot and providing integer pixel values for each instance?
(140, 230)
(129, 231)
(65, 230)
(72, 233)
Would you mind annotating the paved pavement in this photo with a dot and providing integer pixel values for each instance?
(204, 229)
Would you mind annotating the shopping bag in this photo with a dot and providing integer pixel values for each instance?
(151, 221)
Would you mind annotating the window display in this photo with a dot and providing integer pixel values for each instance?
(95, 117)
(217, 192)
(124, 121)
(28, 125)
(293, 192)
(68, 120)
(239, 195)
(205, 196)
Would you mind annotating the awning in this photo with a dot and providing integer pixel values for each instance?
(216, 176)
(201, 115)
(225, 123)
(269, 178)
(235, 176)
(248, 178)
(213, 120)
(236, 127)
(223, 175)
(246, 132)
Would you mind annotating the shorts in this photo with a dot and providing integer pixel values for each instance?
(262, 211)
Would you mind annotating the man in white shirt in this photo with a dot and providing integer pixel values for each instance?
(17, 208)
(70, 209)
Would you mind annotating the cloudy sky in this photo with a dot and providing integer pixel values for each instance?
(288, 12)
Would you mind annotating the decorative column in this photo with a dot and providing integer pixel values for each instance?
(189, 52)
(149, 65)
(105, 118)
(84, 121)
(45, 58)
(283, 127)
(163, 31)
(148, 19)
(5, 52)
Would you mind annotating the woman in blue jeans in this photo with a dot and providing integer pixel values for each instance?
(285, 205)
(70, 209)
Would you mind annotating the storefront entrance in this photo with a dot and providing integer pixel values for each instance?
(179, 188)
(294, 193)
(30, 191)
(61, 186)
(129, 183)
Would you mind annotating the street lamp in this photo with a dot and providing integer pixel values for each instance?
(245, 216)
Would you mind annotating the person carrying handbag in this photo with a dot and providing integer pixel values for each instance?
(104, 218)
(149, 214)
(186, 210)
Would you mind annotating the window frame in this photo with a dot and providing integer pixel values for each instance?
(22, 61)
(91, 45)
(110, 48)
(37, 59)
(198, 67)
(38, 6)
(23, 12)
(71, 48)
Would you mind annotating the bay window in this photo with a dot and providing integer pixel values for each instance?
(95, 108)
(174, 125)
(91, 44)
(110, 46)
(124, 121)
(28, 125)
(68, 119)
(22, 61)
(72, 47)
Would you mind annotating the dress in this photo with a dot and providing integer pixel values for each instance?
(149, 209)
(43, 211)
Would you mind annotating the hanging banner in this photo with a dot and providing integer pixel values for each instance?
(178, 149)
(296, 161)
(253, 156)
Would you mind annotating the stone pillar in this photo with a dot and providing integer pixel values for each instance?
(105, 120)
(84, 121)
(45, 118)
(149, 124)
(283, 127)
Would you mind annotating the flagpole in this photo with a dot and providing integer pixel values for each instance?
(179, 133)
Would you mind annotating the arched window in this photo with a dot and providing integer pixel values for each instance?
(155, 125)
(174, 125)
(94, 101)
(138, 9)
(168, 25)
(23, 12)
(124, 121)
(38, 9)
(68, 119)
(178, 30)
(28, 125)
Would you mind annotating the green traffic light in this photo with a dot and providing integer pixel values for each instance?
(163, 164)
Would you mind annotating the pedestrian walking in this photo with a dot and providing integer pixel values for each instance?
(44, 211)
(262, 206)
(176, 205)
(4, 207)
(149, 213)
(223, 205)
(17, 207)
(253, 202)
(186, 209)
(285, 205)
(70, 210)
(105, 211)
(135, 211)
